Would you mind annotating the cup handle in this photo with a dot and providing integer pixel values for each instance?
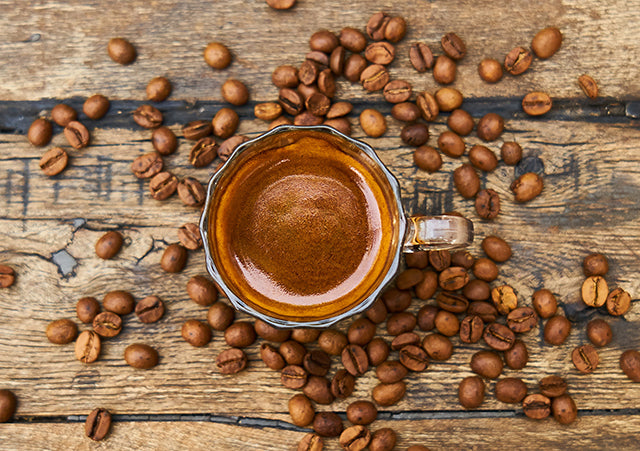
(425, 233)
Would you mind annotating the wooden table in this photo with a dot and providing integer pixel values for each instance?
(54, 51)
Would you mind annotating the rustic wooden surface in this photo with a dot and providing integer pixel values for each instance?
(588, 151)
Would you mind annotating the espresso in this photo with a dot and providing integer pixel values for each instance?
(303, 230)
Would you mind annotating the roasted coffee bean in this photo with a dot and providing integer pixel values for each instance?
(318, 389)
(599, 332)
(511, 390)
(389, 394)
(307, 91)
(291, 101)
(453, 46)
(220, 316)
(342, 384)
(373, 123)
(336, 60)
(546, 42)
(95, 107)
(391, 371)
(62, 114)
(204, 152)
(54, 161)
(191, 192)
(376, 25)
(485, 269)
(197, 130)
(588, 86)
(452, 302)
(490, 127)
(87, 347)
(447, 323)
(487, 364)
(396, 300)
(402, 340)
(448, 99)
(107, 324)
(292, 352)
(158, 89)
(301, 410)
(471, 329)
(409, 278)
(377, 351)
(147, 116)
(97, 424)
(339, 109)
(62, 331)
(361, 412)
(341, 124)
(564, 409)
(594, 291)
(415, 134)
(483, 158)
(240, 334)
(8, 404)
(418, 259)
(437, 346)
(271, 357)
(150, 309)
(305, 334)
(318, 104)
(451, 144)
(311, 441)
(189, 236)
(267, 111)
(477, 290)
(405, 112)
(225, 123)
(618, 302)
(374, 77)
(119, 302)
(499, 337)
(537, 407)
(231, 361)
(317, 362)
(217, 55)
(147, 165)
(395, 30)
(285, 77)
(544, 303)
(355, 438)
(421, 57)
(585, 358)
(444, 70)
(174, 258)
(595, 265)
(522, 319)
(487, 204)
(484, 310)
(196, 333)
(121, 51)
(557, 330)
(308, 72)
(504, 298)
(327, 424)
(440, 260)
(536, 103)
(323, 41)
(397, 91)
(518, 60)
(414, 358)
(352, 39)
(77, 135)
(141, 356)
(361, 331)
(354, 65)
(427, 106)
(490, 70)
(471, 392)
(461, 123)
(87, 308)
(466, 180)
(268, 332)
(552, 386)
(427, 158)
(401, 322)
(630, 364)
(287, 4)
(229, 146)
(496, 248)
(380, 53)
(355, 360)
(332, 341)
(235, 92)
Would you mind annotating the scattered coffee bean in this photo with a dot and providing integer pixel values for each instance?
(336, 60)
(87, 347)
(352, 39)
(536, 103)
(189, 236)
(395, 30)
(158, 89)
(54, 161)
(271, 357)
(585, 358)
(229, 146)
(355, 438)
(490, 70)
(220, 316)
(62, 114)
(618, 302)
(536, 406)
(595, 265)
(377, 351)
(231, 361)
(517, 357)
(522, 320)
(342, 384)
(407, 111)
(477, 290)
(403, 339)
(510, 390)
(118, 302)
(471, 392)
(391, 371)
(427, 106)
(383, 440)
(630, 364)
(163, 185)
(217, 55)
(8, 404)
(197, 130)
(594, 291)
(267, 111)
(147, 116)
(147, 165)
(376, 25)
(305, 335)
(499, 337)
(451, 144)
(174, 258)
(483, 158)
(361, 331)
(487, 204)
(225, 123)
(374, 77)
(527, 187)
(373, 123)
(397, 91)
(293, 376)
(484, 310)
(490, 127)
(355, 360)
(270, 333)
(471, 329)
(518, 60)
(453, 46)
(191, 192)
(461, 123)
(141, 356)
(327, 424)
(564, 409)
(496, 248)
(107, 324)
(544, 303)
(196, 333)
(546, 42)
(557, 330)
(149, 309)
(87, 308)
(421, 57)
(485, 269)
(418, 259)
(444, 70)
(318, 389)
(62, 331)
(381, 53)
(97, 424)
(332, 341)
(292, 352)
(121, 51)
(599, 332)
(389, 394)
(448, 99)
(323, 41)
(235, 92)
(77, 135)
(311, 441)
(414, 358)
(487, 364)
(588, 86)
(466, 180)
(504, 298)
(552, 386)
(317, 362)
(427, 158)
(301, 410)
(511, 153)
(438, 346)
(108, 245)
(95, 107)
(240, 334)
(440, 260)
(202, 291)
(452, 279)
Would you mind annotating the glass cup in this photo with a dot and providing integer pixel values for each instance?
(304, 226)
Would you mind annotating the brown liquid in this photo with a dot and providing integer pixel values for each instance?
(302, 231)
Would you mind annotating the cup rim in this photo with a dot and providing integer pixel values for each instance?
(241, 305)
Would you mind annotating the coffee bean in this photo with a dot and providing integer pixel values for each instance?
(402, 340)
(267, 111)
(389, 394)
(564, 409)
(407, 111)
(618, 302)
(557, 330)
(453, 46)
(97, 424)
(396, 300)
(401, 322)
(522, 319)
(487, 204)
(8, 404)
(374, 77)
(354, 65)
(361, 412)
(318, 389)
(440, 260)
(197, 130)
(461, 123)
(342, 384)
(292, 352)
(217, 55)
(518, 60)
(147, 116)
(108, 245)
(189, 236)
(196, 333)
(376, 25)
(517, 357)
(595, 265)
(395, 30)
(397, 91)
(449, 99)
(452, 302)
(552, 386)
(53, 161)
(293, 376)
(415, 134)
(484, 310)
(471, 392)
(451, 144)
(229, 146)
(107, 324)
(231, 361)
(361, 331)
(588, 85)
(466, 180)
(414, 358)
(270, 333)
(336, 60)
(381, 53)
(285, 77)
(235, 92)
(147, 165)
(308, 72)
(585, 358)
(163, 185)
(544, 303)
(499, 337)
(121, 51)
(311, 441)
(62, 331)
(307, 118)
(301, 410)
(421, 57)
(599, 332)
(496, 248)
(511, 153)
(477, 290)
(203, 152)
(487, 364)
(355, 438)
(285, 4)
(427, 106)
(355, 360)
(174, 258)
(149, 309)
(62, 114)
(141, 356)
(119, 302)
(483, 158)
(427, 158)
(225, 123)
(377, 351)
(373, 122)
(158, 89)
(630, 364)
(536, 103)
(444, 70)
(352, 39)
(87, 347)
(240, 334)
(504, 298)
(77, 135)
(95, 107)
(546, 42)
(536, 406)
(318, 104)
(594, 291)
(332, 341)
(40, 132)
(323, 41)
(317, 362)
(87, 308)
(220, 316)
(390, 372)
(418, 259)
(191, 192)
(305, 334)
(271, 357)
(471, 329)
(327, 424)
(290, 101)
(510, 390)
(490, 127)
(339, 109)
(490, 70)
(485, 269)
(438, 346)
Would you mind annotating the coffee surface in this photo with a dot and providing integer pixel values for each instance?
(302, 226)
